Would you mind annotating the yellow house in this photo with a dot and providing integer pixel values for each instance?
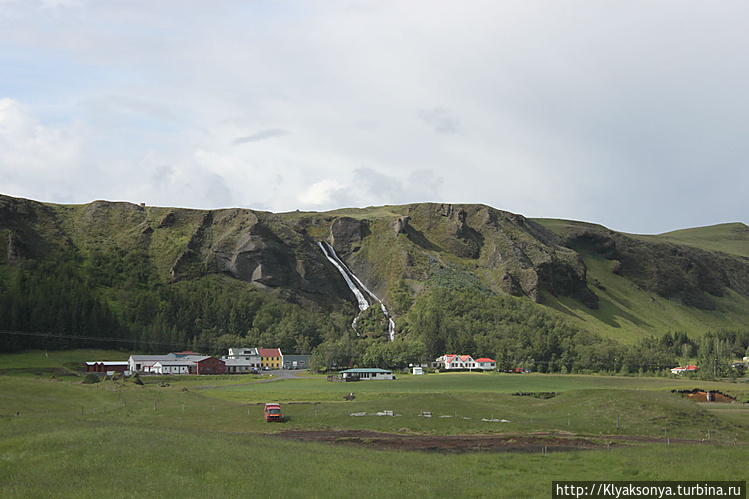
(270, 357)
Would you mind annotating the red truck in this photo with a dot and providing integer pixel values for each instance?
(273, 412)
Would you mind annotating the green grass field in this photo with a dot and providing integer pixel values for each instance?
(203, 436)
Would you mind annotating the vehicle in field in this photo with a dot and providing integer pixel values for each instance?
(273, 412)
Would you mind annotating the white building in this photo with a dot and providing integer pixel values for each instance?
(486, 364)
(250, 355)
(172, 367)
(366, 374)
(455, 362)
(144, 363)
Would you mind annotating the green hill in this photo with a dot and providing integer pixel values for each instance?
(455, 278)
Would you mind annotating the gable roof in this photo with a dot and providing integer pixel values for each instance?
(269, 352)
(367, 370)
(484, 359)
(466, 358)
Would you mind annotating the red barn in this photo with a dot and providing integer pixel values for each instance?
(106, 366)
(209, 365)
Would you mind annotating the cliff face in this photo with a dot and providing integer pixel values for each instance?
(677, 272)
(421, 245)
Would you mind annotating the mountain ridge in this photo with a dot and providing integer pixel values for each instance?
(592, 275)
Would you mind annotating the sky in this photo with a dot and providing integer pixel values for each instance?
(633, 115)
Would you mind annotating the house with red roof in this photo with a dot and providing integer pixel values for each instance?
(486, 364)
(456, 362)
(685, 369)
(272, 358)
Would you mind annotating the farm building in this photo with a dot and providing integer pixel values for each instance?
(144, 363)
(107, 366)
(366, 374)
(171, 367)
(240, 366)
(185, 363)
(486, 364)
(296, 361)
(209, 365)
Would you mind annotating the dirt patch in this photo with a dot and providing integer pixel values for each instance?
(706, 396)
(538, 395)
(448, 444)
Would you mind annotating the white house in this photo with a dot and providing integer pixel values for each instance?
(366, 374)
(453, 362)
(486, 364)
(250, 355)
(685, 369)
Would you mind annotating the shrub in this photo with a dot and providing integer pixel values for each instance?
(91, 378)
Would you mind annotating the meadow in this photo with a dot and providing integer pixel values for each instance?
(203, 436)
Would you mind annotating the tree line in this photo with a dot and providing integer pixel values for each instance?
(110, 299)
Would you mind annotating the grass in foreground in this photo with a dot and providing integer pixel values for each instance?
(110, 460)
(61, 438)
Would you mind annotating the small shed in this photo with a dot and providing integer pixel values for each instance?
(417, 370)
(361, 374)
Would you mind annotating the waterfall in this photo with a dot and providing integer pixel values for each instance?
(357, 287)
(330, 255)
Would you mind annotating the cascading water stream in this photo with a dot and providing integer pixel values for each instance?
(356, 286)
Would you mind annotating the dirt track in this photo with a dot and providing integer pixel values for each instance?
(531, 443)
(448, 444)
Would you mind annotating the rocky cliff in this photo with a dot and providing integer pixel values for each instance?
(418, 245)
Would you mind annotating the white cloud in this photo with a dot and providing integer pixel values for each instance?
(36, 160)
(321, 193)
(545, 108)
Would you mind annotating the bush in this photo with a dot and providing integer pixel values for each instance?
(91, 378)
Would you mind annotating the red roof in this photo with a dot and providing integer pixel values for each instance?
(464, 358)
(484, 359)
(269, 352)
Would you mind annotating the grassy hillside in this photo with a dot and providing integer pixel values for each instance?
(199, 434)
(627, 313)
(731, 238)
(631, 304)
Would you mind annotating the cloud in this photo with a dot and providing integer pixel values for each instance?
(263, 135)
(321, 193)
(552, 110)
(440, 120)
(32, 152)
